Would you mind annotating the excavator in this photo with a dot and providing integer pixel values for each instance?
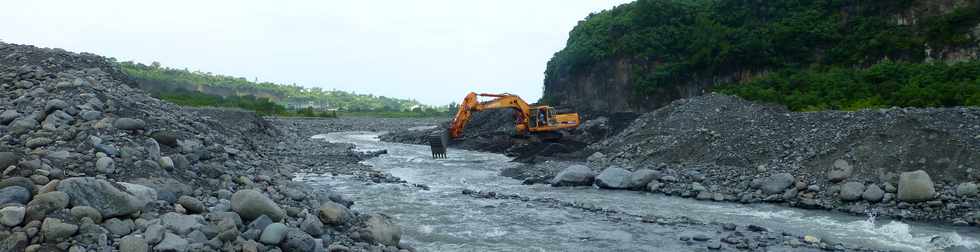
(540, 121)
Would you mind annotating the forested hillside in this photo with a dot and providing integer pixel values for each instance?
(197, 88)
(810, 55)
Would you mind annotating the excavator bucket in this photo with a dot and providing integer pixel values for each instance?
(438, 142)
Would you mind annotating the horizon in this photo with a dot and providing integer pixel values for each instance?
(433, 52)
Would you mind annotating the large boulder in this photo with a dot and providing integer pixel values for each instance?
(379, 228)
(54, 230)
(613, 178)
(111, 199)
(331, 213)
(873, 193)
(851, 191)
(575, 175)
(273, 234)
(777, 183)
(840, 171)
(915, 186)
(641, 178)
(251, 204)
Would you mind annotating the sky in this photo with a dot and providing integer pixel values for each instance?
(432, 51)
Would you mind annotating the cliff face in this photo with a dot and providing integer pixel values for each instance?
(613, 82)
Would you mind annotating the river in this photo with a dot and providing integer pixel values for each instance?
(444, 219)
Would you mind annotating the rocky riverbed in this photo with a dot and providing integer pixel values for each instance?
(91, 164)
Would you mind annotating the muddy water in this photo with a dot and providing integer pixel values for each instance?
(444, 219)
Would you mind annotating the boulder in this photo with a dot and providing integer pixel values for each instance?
(22, 182)
(167, 163)
(55, 104)
(105, 165)
(575, 175)
(45, 203)
(777, 183)
(840, 171)
(8, 159)
(16, 241)
(57, 120)
(12, 215)
(967, 189)
(14, 194)
(613, 178)
(119, 227)
(80, 212)
(873, 193)
(915, 186)
(129, 124)
(165, 137)
(172, 243)
(54, 230)
(111, 199)
(379, 228)
(154, 233)
(22, 125)
(312, 225)
(8, 116)
(641, 178)
(251, 204)
(331, 213)
(142, 192)
(273, 233)
(132, 243)
(297, 240)
(851, 191)
(182, 224)
(193, 205)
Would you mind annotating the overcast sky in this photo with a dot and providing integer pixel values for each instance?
(433, 51)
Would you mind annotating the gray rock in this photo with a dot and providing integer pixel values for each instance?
(172, 243)
(251, 204)
(8, 159)
(890, 188)
(777, 183)
(181, 163)
(312, 225)
(915, 186)
(165, 137)
(297, 240)
(197, 236)
(154, 233)
(12, 215)
(45, 203)
(109, 198)
(273, 233)
(967, 189)
(57, 120)
(654, 186)
(55, 104)
(152, 149)
(840, 171)
(851, 191)
(142, 192)
(129, 124)
(91, 115)
(54, 230)
(381, 229)
(641, 178)
(575, 175)
(119, 227)
(16, 241)
(181, 224)
(132, 243)
(613, 178)
(873, 193)
(105, 165)
(697, 187)
(167, 163)
(38, 142)
(331, 213)
(8, 116)
(14, 194)
(193, 205)
(22, 125)
(80, 212)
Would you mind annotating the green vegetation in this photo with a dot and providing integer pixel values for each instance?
(195, 88)
(811, 45)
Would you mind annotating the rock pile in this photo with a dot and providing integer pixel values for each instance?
(90, 164)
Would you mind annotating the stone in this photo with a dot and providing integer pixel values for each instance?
(273, 233)
(654, 186)
(172, 243)
(105, 165)
(379, 228)
(111, 199)
(873, 193)
(90, 115)
(331, 213)
(16, 241)
(57, 120)
(132, 243)
(811, 239)
(777, 183)
(297, 240)
(251, 204)
(8, 116)
(575, 175)
(14, 194)
(165, 137)
(260, 223)
(12, 215)
(80, 212)
(193, 205)
(142, 192)
(840, 171)
(152, 149)
(38, 142)
(154, 233)
(55, 104)
(197, 236)
(915, 186)
(312, 225)
(129, 124)
(167, 163)
(45, 203)
(181, 224)
(851, 191)
(22, 125)
(181, 163)
(967, 189)
(119, 227)
(8, 159)
(613, 178)
(641, 178)
(54, 230)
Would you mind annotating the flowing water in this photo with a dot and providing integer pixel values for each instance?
(444, 219)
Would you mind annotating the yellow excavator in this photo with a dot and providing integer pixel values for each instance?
(540, 121)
